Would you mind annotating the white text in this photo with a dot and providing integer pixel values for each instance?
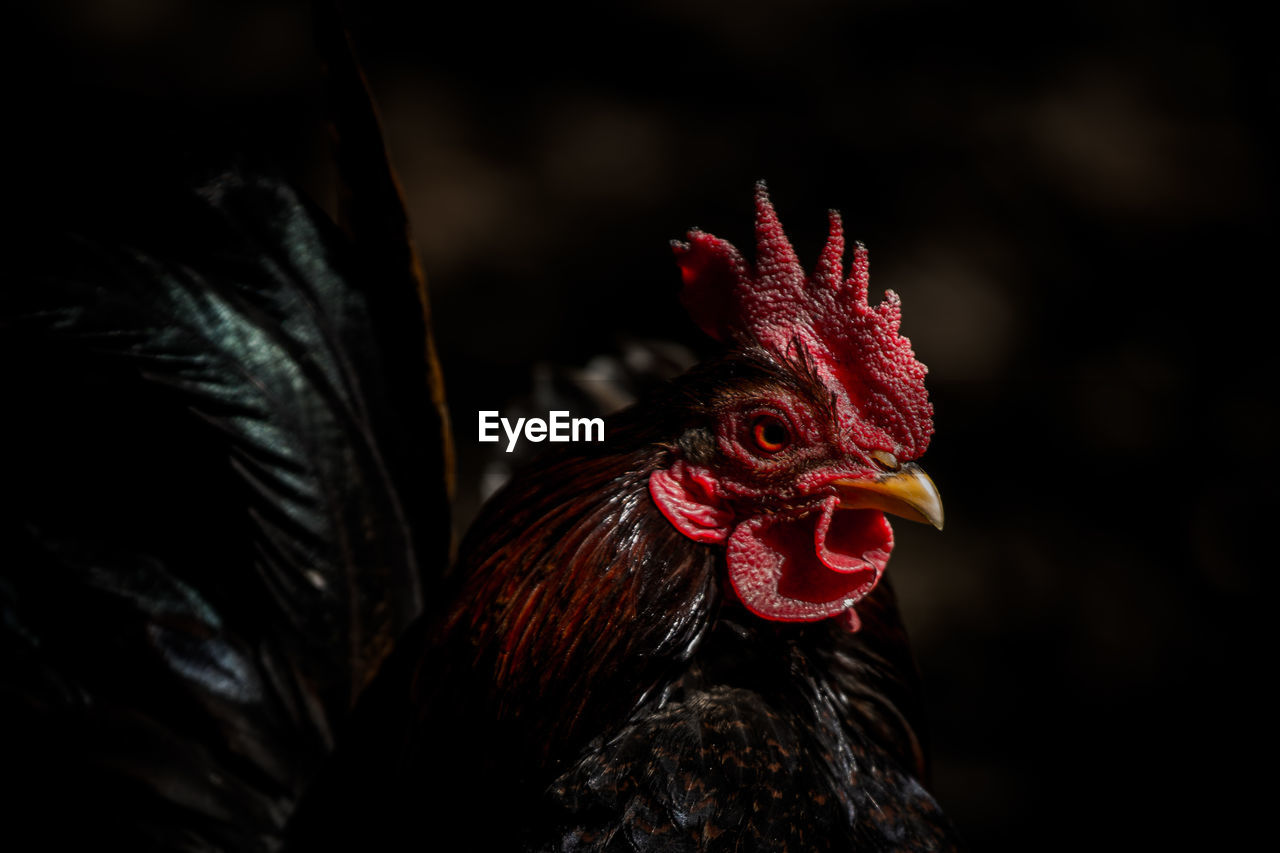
(557, 427)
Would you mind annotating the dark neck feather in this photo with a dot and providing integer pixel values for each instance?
(875, 680)
(576, 596)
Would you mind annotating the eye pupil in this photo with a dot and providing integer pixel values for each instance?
(771, 434)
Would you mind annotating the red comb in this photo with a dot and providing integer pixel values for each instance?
(779, 307)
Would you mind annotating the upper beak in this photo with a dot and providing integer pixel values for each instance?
(907, 492)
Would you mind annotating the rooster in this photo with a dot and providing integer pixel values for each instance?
(232, 503)
(681, 639)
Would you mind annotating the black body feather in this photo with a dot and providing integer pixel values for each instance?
(208, 549)
(227, 492)
(757, 745)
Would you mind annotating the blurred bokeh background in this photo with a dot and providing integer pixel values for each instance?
(1074, 201)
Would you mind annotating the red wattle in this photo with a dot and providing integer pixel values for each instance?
(853, 540)
(802, 567)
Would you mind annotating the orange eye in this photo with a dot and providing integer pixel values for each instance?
(770, 434)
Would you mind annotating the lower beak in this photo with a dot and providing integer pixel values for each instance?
(907, 493)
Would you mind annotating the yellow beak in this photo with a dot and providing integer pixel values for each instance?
(907, 493)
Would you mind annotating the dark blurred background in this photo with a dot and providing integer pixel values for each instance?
(1074, 202)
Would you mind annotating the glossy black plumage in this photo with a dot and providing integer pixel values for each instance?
(755, 746)
(208, 551)
(226, 494)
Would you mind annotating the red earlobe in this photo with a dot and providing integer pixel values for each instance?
(687, 497)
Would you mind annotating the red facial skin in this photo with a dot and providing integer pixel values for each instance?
(792, 555)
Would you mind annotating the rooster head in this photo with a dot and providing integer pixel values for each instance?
(798, 462)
